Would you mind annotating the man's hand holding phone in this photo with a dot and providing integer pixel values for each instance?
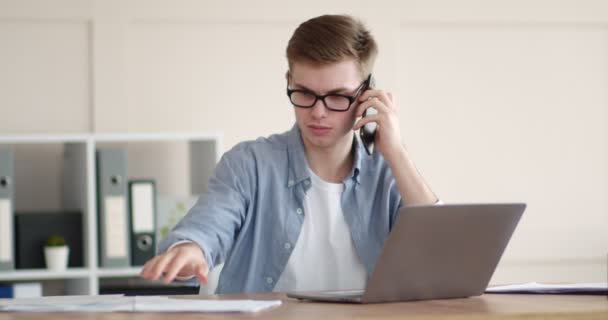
(387, 137)
(183, 260)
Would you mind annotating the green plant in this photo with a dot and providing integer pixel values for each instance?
(55, 241)
(175, 215)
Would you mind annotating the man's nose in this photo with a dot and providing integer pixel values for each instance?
(318, 110)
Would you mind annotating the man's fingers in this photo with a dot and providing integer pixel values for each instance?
(374, 103)
(202, 273)
(146, 271)
(158, 268)
(174, 267)
(378, 93)
(184, 258)
(365, 120)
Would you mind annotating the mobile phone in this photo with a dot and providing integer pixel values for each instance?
(368, 131)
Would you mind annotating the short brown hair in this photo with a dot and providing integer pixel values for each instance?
(329, 39)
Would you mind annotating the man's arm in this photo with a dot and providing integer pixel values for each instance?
(411, 185)
(204, 237)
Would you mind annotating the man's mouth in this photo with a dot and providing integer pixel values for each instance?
(319, 129)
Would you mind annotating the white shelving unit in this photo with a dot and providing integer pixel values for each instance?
(197, 153)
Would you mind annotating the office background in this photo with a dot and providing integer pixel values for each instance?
(498, 100)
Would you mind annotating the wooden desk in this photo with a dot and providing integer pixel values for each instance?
(484, 307)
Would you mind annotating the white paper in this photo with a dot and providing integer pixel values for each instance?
(120, 303)
(534, 287)
(6, 231)
(116, 227)
(58, 303)
(142, 195)
(165, 304)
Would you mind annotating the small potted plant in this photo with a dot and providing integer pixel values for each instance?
(56, 253)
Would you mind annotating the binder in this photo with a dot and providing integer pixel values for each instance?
(7, 187)
(21, 290)
(112, 214)
(142, 205)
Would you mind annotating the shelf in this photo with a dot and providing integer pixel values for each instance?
(118, 272)
(141, 137)
(43, 274)
(44, 138)
(57, 172)
(107, 137)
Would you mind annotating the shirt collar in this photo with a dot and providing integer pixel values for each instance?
(298, 167)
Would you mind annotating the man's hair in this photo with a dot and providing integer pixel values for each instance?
(329, 39)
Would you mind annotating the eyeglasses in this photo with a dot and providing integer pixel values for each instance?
(333, 101)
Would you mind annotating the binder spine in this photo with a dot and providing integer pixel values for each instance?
(112, 214)
(142, 204)
(7, 210)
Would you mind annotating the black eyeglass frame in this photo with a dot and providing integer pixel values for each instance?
(351, 99)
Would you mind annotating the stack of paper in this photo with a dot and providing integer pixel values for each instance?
(165, 304)
(533, 287)
(120, 303)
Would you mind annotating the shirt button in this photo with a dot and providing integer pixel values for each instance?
(287, 245)
(269, 280)
(306, 182)
(299, 211)
(290, 182)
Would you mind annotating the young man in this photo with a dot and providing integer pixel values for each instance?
(307, 209)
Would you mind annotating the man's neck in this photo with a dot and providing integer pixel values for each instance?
(331, 164)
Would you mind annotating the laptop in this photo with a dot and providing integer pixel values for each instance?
(435, 252)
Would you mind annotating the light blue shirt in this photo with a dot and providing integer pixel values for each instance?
(252, 214)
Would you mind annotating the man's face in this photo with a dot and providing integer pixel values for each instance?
(321, 127)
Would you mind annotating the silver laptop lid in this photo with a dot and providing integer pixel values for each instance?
(443, 251)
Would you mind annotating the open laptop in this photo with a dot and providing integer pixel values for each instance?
(435, 252)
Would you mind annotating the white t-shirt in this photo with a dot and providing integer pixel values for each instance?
(324, 257)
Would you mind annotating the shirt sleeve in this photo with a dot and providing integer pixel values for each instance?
(215, 219)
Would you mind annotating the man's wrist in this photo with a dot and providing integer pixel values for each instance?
(397, 156)
(177, 244)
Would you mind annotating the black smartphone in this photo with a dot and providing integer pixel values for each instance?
(368, 131)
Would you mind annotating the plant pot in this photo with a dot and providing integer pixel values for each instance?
(56, 257)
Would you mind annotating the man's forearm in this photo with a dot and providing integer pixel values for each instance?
(410, 183)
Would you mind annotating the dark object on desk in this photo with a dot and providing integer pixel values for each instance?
(34, 228)
(140, 287)
(435, 252)
(142, 212)
(148, 291)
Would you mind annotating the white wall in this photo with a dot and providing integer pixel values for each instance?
(499, 100)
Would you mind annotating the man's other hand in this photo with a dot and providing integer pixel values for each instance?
(183, 260)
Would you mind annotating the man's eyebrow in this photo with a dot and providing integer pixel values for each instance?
(337, 90)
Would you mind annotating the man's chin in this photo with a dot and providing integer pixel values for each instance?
(321, 142)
